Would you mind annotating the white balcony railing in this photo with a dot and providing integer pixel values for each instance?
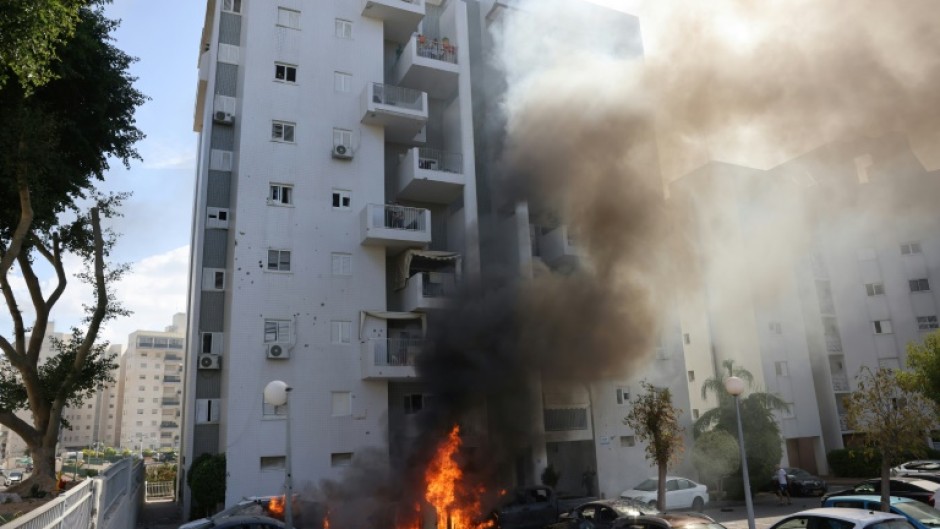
(840, 382)
(396, 351)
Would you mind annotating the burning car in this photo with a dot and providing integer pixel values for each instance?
(262, 508)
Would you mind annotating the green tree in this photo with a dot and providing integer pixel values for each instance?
(762, 439)
(30, 33)
(655, 422)
(54, 145)
(894, 422)
(716, 455)
(206, 478)
(923, 360)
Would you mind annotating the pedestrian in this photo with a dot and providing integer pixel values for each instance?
(782, 489)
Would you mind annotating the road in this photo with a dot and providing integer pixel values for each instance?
(767, 511)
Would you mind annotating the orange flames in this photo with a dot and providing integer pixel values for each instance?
(276, 506)
(326, 520)
(455, 506)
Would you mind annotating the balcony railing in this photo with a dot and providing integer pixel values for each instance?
(844, 422)
(436, 160)
(437, 49)
(172, 358)
(398, 96)
(438, 284)
(840, 382)
(171, 378)
(399, 218)
(169, 424)
(397, 351)
(565, 419)
(171, 402)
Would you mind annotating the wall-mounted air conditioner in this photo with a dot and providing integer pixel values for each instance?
(277, 351)
(225, 118)
(210, 361)
(342, 152)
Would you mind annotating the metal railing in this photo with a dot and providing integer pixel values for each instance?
(401, 218)
(397, 351)
(437, 49)
(72, 509)
(844, 422)
(437, 160)
(172, 357)
(399, 96)
(171, 378)
(565, 419)
(171, 402)
(169, 424)
(438, 284)
(159, 489)
(840, 382)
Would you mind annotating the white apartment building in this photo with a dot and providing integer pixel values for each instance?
(335, 205)
(151, 388)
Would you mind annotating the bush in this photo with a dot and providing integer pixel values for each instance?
(550, 476)
(91, 472)
(206, 478)
(853, 463)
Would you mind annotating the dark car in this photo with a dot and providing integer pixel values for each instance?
(903, 486)
(602, 514)
(241, 522)
(802, 483)
(672, 520)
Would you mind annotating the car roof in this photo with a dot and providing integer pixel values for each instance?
(678, 519)
(850, 515)
(243, 520)
(870, 497)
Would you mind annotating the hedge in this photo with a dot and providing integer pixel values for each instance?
(850, 463)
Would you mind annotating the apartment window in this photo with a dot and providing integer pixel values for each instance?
(277, 331)
(694, 413)
(415, 403)
(156, 400)
(282, 131)
(279, 260)
(269, 463)
(343, 28)
(342, 403)
(285, 72)
(213, 279)
(341, 459)
(342, 137)
(686, 338)
(927, 323)
(140, 412)
(775, 327)
(627, 441)
(342, 199)
(142, 377)
(788, 412)
(288, 18)
(919, 285)
(281, 194)
(342, 264)
(140, 423)
(691, 375)
(342, 82)
(232, 6)
(141, 388)
(623, 395)
(875, 289)
(782, 369)
(143, 365)
(341, 332)
(910, 248)
(882, 326)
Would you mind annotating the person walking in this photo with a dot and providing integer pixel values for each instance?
(782, 489)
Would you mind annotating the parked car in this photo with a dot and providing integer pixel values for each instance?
(917, 466)
(672, 520)
(14, 478)
(681, 493)
(532, 507)
(921, 515)
(802, 483)
(602, 514)
(256, 507)
(903, 486)
(841, 518)
(236, 522)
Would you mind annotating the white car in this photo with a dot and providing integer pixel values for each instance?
(681, 493)
(842, 518)
(915, 467)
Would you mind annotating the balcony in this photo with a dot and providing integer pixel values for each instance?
(169, 424)
(844, 422)
(557, 248)
(402, 111)
(840, 383)
(390, 358)
(171, 402)
(430, 175)
(426, 291)
(399, 17)
(395, 226)
(172, 358)
(171, 378)
(428, 64)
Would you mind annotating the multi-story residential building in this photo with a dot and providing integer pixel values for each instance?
(151, 387)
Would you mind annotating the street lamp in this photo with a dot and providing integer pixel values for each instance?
(735, 387)
(276, 394)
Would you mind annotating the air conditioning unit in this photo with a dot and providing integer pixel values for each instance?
(210, 361)
(277, 351)
(342, 152)
(220, 116)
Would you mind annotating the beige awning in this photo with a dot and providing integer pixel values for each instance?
(404, 263)
(386, 315)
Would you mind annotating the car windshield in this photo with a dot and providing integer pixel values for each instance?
(627, 507)
(647, 485)
(800, 473)
(921, 512)
(891, 524)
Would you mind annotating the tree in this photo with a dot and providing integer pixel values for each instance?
(762, 438)
(923, 360)
(206, 478)
(30, 32)
(715, 455)
(893, 421)
(655, 421)
(53, 146)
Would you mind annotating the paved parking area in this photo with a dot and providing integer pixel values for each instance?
(767, 511)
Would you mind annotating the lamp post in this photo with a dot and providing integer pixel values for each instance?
(735, 387)
(276, 394)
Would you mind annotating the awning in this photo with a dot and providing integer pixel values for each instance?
(386, 315)
(404, 263)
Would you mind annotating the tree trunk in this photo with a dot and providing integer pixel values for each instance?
(661, 488)
(885, 483)
(43, 475)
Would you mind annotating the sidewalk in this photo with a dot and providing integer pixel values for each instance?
(160, 515)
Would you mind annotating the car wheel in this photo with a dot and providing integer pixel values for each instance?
(697, 504)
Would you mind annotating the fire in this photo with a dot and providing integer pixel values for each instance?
(276, 506)
(326, 520)
(455, 506)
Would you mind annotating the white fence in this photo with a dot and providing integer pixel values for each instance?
(110, 501)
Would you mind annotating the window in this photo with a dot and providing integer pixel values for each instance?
(285, 72)
(340, 332)
(342, 403)
(927, 323)
(273, 463)
(140, 399)
(281, 194)
(691, 375)
(342, 264)
(216, 217)
(919, 285)
(279, 260)
(342, 82)
(414, 403)
(282, 131)
(342, 137)
(775, 327)
(875, 289)
(882, 326)
(277, 331)
(232, 6)
(910, 248)
(341, 459)
(782, 369)
(142, 377)
(342, 199)
(686, 338)
(213, 279)
(627, 440)
(343, 28)
(211, 343)
(694, 413)
(220, 160)
(140, 412)
(288, 18)
(623, 395)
